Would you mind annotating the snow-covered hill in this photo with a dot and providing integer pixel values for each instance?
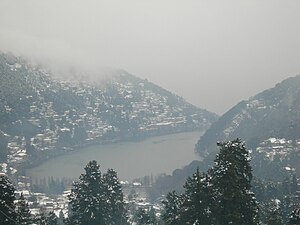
(40, 115)
(272, 113)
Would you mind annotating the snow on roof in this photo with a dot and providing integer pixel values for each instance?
(272, 140)
(289, 168)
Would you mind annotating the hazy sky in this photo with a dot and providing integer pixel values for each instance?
(214, 53)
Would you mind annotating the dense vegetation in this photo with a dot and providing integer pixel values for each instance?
(97, 199)
(221, 196)
(226, 194)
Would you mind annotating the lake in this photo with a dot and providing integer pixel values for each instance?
(131, 160)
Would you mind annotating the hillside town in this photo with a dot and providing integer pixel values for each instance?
(53, 117)
(279, 147)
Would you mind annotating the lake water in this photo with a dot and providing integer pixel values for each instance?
(131, 160)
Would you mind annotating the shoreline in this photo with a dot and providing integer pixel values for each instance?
(160, 154)
(67, 150)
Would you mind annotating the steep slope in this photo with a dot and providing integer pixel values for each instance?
(272, 113)
(269, 123)
(40, 115)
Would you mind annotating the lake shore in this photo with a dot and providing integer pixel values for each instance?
(67, 150)
(160, 154)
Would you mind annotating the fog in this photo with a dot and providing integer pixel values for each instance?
(214, 53)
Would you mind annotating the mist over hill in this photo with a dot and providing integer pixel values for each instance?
(269, 123)
(41, 115)
(271, 113)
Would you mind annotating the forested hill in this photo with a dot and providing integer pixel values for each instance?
(272, 113)
(41, 114)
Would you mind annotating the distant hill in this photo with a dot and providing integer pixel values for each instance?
(269, 123)
(40, 115)
(272, 113)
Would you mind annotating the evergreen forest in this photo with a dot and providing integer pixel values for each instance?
(227, 193)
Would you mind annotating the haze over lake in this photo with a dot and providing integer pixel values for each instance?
(130, 159)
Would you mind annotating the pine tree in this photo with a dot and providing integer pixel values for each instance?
(197, 201)
(41, 219)
(46, 219)
(152, 215)
(87, 199)
(192, 207)
(274, 214)
(172, 209)
(7, 206)
(24, 216)
(142, 217)
(52, 219)
(231, 178)
(115, 200)
(295, 217)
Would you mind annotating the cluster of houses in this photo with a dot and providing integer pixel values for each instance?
(278, 147)
(135, 196)
(104, 116)
(132, 112)
(41, 203)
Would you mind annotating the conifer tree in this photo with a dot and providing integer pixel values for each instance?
(46, 219)
(52, 219)
(152, 216)
(192, 207)
(24, 216)
(294, 217)
(231, 178)
(172, 209)
(7, 206)
(274, 214)
(40, 219)
(197, 201)
(115, 199)
(87, 198)
(142, 217)
(220, 197)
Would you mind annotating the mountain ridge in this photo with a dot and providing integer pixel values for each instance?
(270, 113)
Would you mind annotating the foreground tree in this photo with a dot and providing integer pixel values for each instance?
(192, 207)
(46, 219)
(295, 217)
(173, 208)
(197, 202)
(52, 219)
(87, 199)
(24, 216)
(231, 178)
(7, 206)
(115, 199)
(274, 214)
(97, 199)
(220, 197)
(145, 217)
